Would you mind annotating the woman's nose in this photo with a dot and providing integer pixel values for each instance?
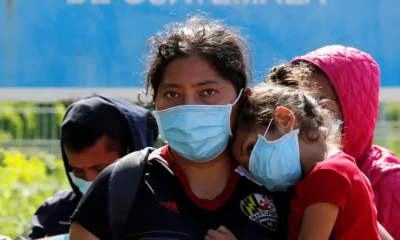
(192, 99)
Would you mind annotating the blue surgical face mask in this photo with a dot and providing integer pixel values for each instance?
(276, 164)
(60, 237)
(198, 133)
(82, 185)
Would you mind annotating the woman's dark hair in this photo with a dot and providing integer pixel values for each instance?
(285, 86)
(217, 43)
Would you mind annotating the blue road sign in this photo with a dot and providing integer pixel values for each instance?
(64, 46)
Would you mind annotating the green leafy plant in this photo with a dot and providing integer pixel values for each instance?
(25, 182)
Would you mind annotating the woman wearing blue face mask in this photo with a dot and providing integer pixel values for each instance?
(197, 74)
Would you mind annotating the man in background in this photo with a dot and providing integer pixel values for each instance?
(95, 132)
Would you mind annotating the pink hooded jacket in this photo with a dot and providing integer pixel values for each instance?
(355, 77)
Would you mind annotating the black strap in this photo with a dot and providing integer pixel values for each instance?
(122, 187)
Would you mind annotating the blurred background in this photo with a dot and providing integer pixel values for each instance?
(53, 52)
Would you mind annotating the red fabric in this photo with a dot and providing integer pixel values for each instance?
(210, 205)
(356, 76)
(337, 180)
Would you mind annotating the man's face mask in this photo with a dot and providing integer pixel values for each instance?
(82, 185)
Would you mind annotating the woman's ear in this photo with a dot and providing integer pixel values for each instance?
(284, 119)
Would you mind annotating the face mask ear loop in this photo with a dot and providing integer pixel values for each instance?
(269, 125)
(238, 97)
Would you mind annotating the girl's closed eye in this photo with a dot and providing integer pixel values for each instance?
(244, 140)
(250, 149)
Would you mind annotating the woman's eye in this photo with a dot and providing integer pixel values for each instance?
(250, 149)
(171, 94)
(209, 92)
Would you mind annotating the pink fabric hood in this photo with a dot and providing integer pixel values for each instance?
(355, 77)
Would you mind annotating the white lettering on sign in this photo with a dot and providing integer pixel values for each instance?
(201, 2)
(134, 2)
(91, 1)
(256, 2)
(101, 1)
(187, 2)
(297, 2)
(75, 1)
(158, 2)
(221, 2)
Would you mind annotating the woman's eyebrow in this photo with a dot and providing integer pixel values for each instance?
(207, 82)
(198, 84)
(171, 85)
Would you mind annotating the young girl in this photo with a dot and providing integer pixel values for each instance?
(286, 139)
